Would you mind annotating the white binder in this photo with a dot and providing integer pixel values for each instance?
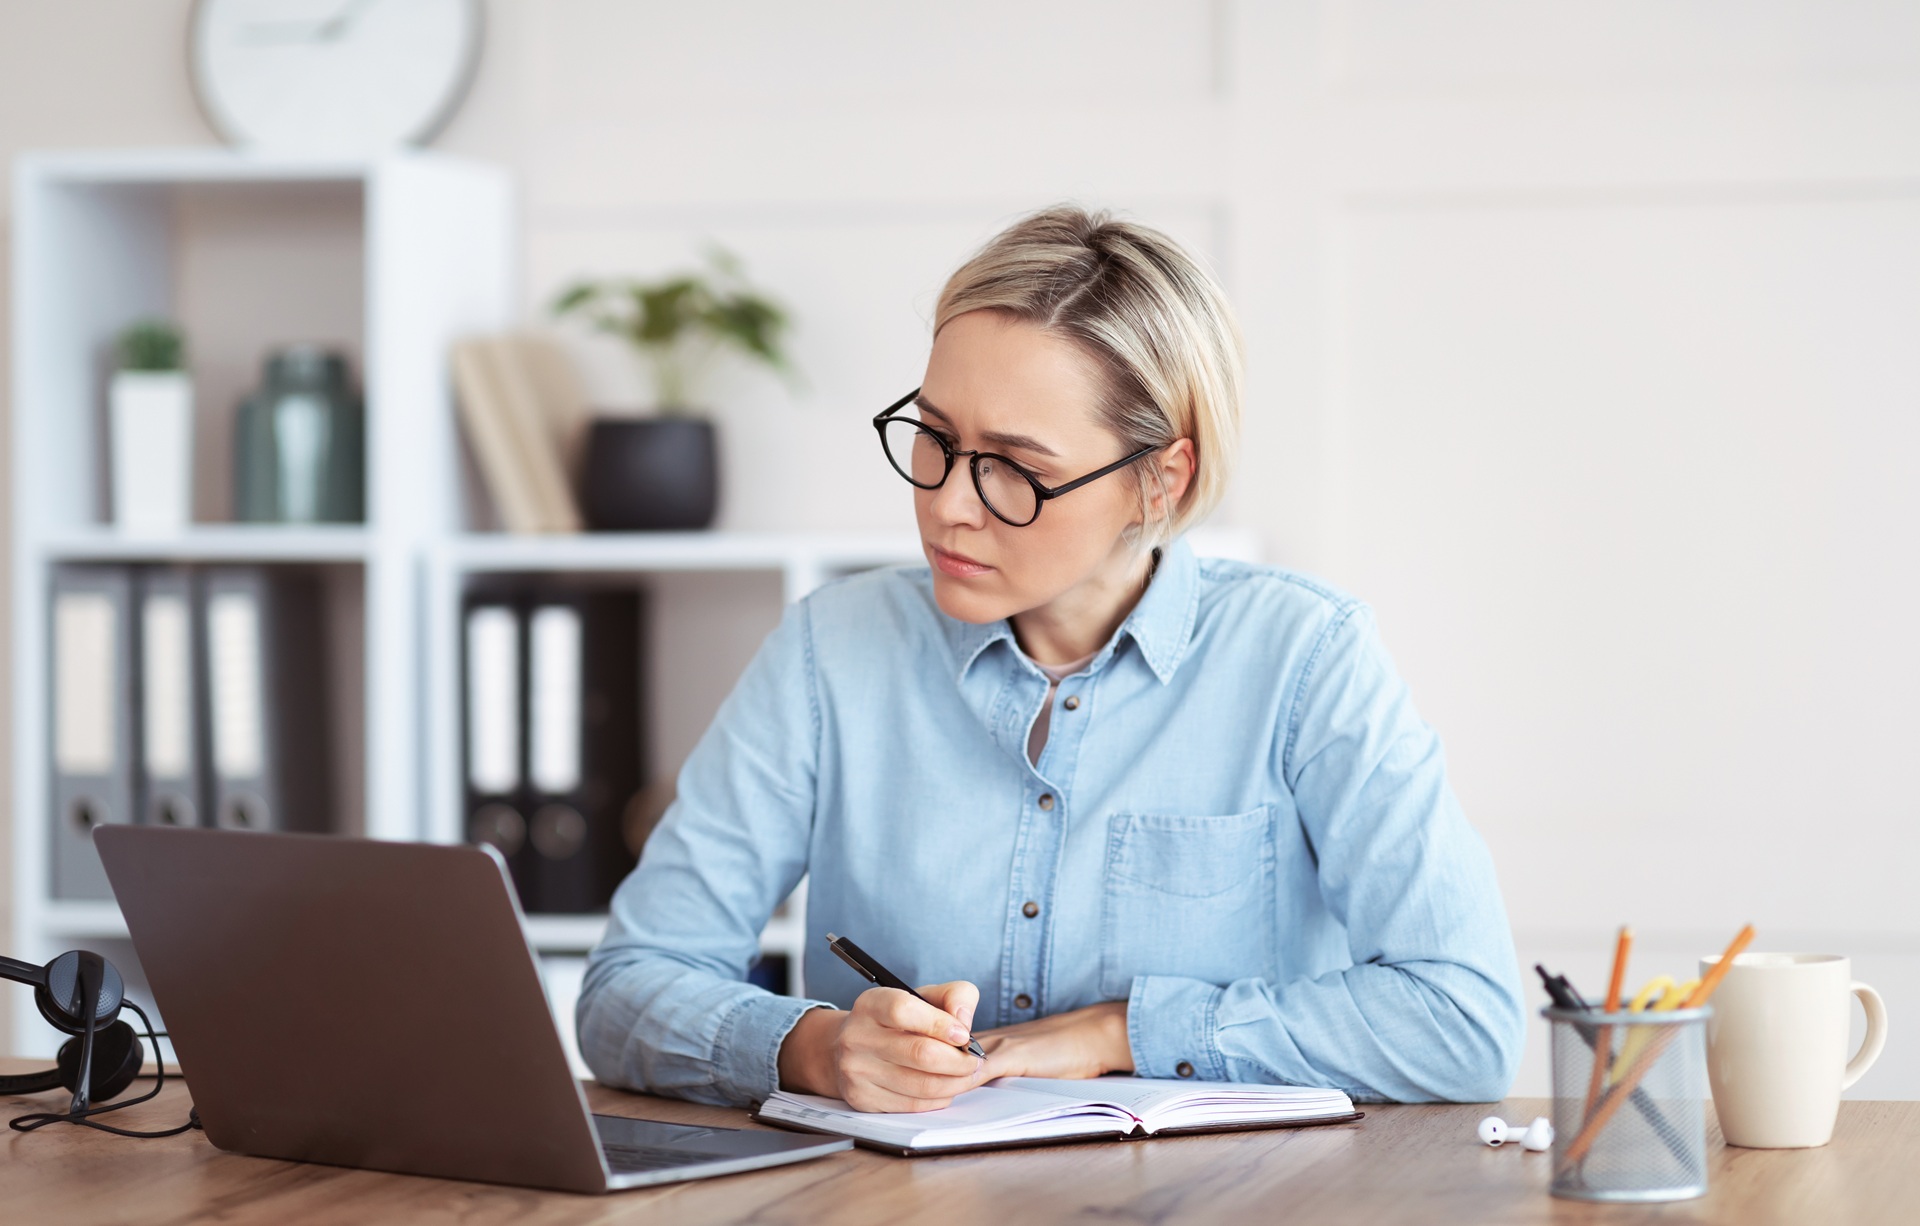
(170, 781)
(266, 699)
(91, 703)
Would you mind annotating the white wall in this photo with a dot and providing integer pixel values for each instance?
(1581, 344)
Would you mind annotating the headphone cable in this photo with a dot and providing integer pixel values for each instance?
(40, 1119)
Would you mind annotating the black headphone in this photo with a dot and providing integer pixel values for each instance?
(81, 994)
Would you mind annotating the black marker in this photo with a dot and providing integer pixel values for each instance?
(871, 971)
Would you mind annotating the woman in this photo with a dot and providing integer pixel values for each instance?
(1141, 812)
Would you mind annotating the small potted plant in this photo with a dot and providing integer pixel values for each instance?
(663, 471)
(150, 413)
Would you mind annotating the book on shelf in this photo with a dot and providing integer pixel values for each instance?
(1018, 1111)
(519, 416)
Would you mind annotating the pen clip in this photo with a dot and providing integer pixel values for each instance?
(839, 951)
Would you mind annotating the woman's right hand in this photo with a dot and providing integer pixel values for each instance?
(890, 1052)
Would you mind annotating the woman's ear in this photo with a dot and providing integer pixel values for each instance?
(1174, 466)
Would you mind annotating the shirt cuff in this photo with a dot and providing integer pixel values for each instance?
(1172, 1026)
(747, 1049)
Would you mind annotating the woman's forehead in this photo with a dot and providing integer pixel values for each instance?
(990, 374)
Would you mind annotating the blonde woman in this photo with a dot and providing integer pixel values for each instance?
(1134, 811)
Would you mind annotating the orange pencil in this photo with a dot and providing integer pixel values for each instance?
(1630, 1080)
(1720, 969)
(1603, 1042)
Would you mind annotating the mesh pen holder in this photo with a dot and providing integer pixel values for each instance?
(1637, 1131)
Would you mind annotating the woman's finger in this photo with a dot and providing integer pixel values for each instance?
(958, 998)
(899, 1010)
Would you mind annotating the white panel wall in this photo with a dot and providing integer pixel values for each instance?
(1580, 343)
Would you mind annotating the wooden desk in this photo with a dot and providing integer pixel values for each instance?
(1403, 1164)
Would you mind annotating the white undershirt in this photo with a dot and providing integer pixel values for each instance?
(1056, 673)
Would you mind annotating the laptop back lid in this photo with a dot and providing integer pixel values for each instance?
(353, 1002)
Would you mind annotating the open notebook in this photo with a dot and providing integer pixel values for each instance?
(1037, 1110)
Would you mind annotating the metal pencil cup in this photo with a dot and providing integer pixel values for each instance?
(1638, 1132)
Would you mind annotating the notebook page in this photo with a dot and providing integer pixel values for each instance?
(1167, 1103)
(990, 1113)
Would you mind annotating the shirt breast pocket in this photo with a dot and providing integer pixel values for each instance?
(1187, 896)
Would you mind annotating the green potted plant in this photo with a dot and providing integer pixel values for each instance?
(150, 411)
(663, 471)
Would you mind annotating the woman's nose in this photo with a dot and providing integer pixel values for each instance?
(957, 502)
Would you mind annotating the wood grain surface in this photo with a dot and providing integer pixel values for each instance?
(1417, 1164)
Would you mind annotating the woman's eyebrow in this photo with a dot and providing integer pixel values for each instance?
(1022, 442)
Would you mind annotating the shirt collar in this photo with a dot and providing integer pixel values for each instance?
(1161, 624)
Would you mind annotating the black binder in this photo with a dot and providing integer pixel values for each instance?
(558, 813)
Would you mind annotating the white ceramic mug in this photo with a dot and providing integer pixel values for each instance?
(1777, 1046)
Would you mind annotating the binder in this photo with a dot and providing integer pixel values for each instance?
(91, 701)
(170, 777)
(266, 698)
(583, 726)
(492, 745)
(552, 737)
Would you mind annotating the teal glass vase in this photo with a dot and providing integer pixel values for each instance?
(300, 443)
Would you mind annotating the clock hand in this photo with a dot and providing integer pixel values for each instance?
(336, 25)
(262, 33)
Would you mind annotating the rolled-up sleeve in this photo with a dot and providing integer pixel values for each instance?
(665, 1006)
(1430, 1008)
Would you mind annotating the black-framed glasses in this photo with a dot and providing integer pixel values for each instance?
(925, 458)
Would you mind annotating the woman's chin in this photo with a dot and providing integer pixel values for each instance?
(962, 600)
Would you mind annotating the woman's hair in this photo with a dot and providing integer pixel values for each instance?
(1150, 316)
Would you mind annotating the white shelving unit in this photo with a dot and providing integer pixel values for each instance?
(101, 238)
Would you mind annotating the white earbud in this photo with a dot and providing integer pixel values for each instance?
(1537, 1136)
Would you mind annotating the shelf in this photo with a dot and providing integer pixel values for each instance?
(215, 543)
(650, 551)
(208, 164)
(84, 919)
(556, 934)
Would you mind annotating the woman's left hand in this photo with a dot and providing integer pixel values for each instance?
(1084, 1043)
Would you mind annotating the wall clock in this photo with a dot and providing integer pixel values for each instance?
(332, 76)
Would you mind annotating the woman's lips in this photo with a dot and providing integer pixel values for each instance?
(958, 565)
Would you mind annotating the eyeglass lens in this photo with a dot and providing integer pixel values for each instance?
(917, 452)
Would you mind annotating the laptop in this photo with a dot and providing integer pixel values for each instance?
(373, 1004)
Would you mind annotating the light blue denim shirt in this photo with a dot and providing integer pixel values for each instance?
(1239, 825)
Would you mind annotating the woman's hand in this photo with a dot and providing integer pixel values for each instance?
(890, 1052)
(1084, 1043)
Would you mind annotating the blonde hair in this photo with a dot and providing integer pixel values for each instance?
(1151, 317)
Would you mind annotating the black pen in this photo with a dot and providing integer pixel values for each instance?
(1563, 993)
(871, 971)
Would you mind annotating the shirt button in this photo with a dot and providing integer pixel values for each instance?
(1046, 800)
(1184, 1069)
(1023, 1001)
(1072, 703)
(1030, 910)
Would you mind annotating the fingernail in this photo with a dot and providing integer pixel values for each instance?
(957, 1036)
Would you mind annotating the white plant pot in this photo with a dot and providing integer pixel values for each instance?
(152, 450)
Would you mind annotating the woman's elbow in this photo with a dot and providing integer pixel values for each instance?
(1478, 1050)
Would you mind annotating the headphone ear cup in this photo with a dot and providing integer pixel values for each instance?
(55, 997)
(117, 1057)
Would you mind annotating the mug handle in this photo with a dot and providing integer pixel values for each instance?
(1876, 1034)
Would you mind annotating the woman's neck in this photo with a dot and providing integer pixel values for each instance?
(1079, 621)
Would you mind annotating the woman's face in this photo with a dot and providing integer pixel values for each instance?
(997, 384)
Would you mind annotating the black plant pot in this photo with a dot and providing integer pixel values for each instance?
(651, 473)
